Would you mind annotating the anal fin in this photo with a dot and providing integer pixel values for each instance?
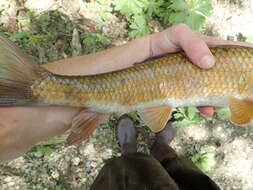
(83, 125)
(241, 111)
(156, 117)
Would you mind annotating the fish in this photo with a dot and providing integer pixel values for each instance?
(153, 88)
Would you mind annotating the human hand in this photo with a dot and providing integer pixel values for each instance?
(22, 127)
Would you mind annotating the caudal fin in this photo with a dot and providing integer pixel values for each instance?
(17, 73)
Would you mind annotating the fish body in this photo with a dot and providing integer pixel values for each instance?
(171, 80)
(153, 88)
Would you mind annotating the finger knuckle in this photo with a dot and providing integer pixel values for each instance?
(181, 26)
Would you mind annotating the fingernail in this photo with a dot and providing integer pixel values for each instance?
(207, 61)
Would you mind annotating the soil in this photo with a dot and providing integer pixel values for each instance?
(59, 167)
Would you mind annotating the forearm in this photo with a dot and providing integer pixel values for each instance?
(104, 61)
(170, 40)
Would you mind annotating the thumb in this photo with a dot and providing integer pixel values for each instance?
(192, 44)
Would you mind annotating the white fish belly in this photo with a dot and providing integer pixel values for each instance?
(218, 101)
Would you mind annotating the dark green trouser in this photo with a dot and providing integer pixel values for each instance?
(142, 172)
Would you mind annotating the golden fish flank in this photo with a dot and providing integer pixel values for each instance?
(154, 89)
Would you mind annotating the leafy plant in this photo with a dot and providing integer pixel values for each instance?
(128, 8)
(133, 10)
(187, 116)
(222, 113)
(139, 13)
(94, 41)
(240, 37)
(191, 12)
(19, 35)
(138, 26)
(39, 151)
(36, 38)
(24, 38)
(204, 159)
(39, 38)
(46, 150)
(154, 7)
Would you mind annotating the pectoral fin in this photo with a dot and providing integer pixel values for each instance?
(83, 125)
(156, 117)
(241, 111)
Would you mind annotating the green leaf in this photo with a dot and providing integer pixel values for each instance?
(191, 112)
(204, 159)
(178, 17)
(138, 21)
(46, 150)
(195, 21)
(19, 35)
(139, 26)
(181, 110)
(185, 117)
(177, 116)
(178, 5)
(94, 41)
(223, 113)
(191, 12)
(129, 7)
(154, 7)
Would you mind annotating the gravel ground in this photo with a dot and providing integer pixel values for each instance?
(57, 167)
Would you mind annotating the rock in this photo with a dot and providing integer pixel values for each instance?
(76, 161)
(42, 5)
